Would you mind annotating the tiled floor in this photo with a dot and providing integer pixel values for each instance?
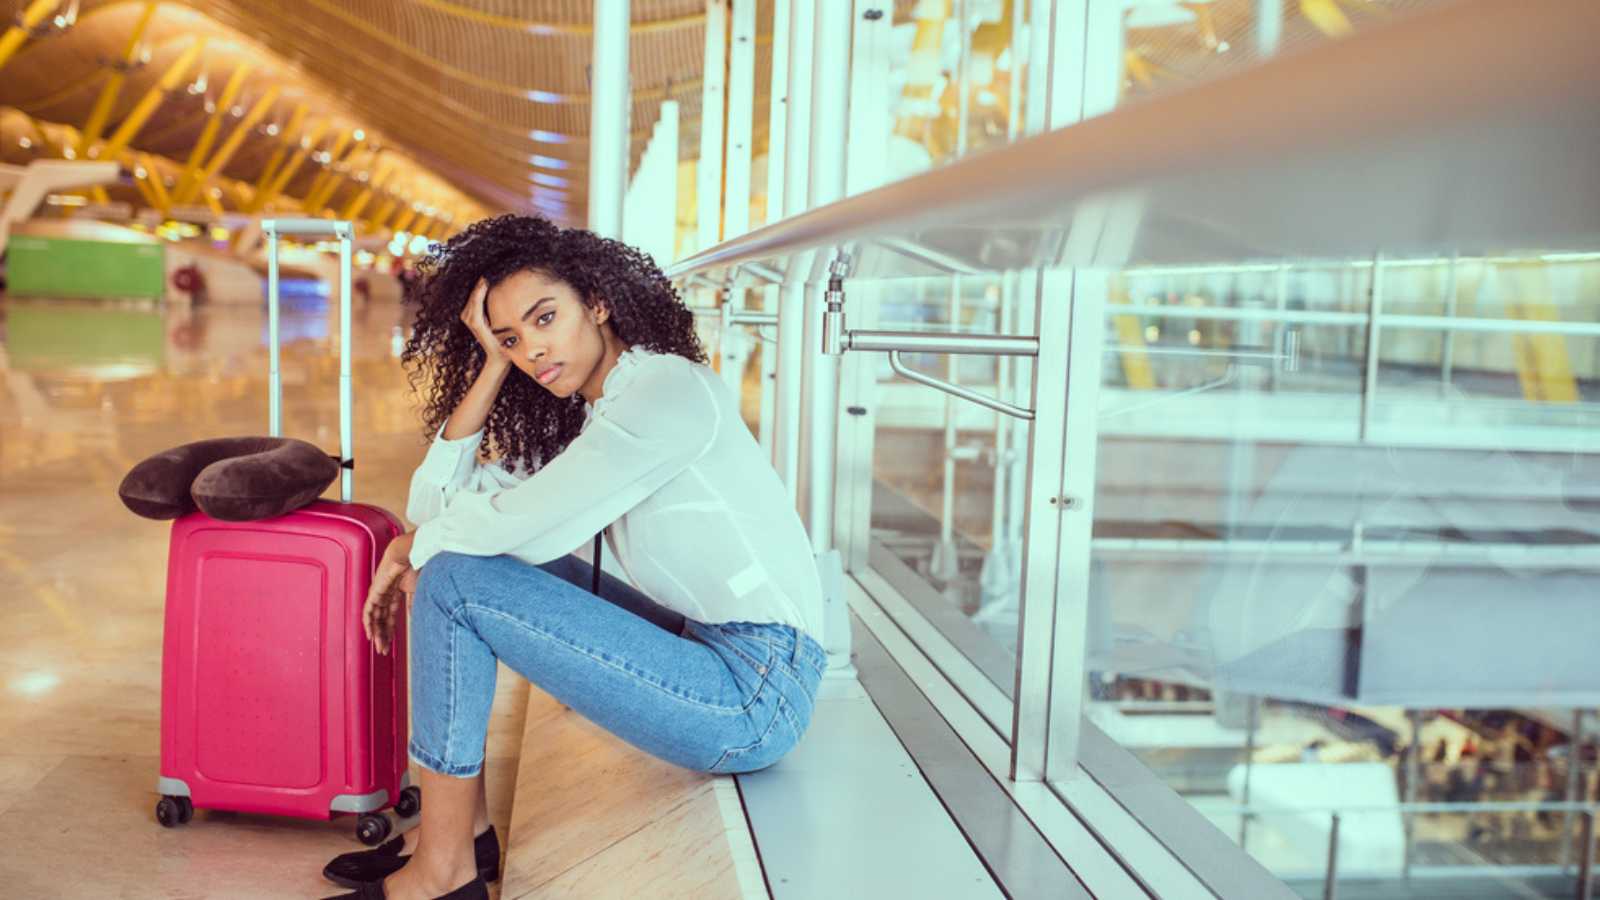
(86, 390)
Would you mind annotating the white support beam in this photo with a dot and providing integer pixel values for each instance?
(797, 153)
(609, 117)
(737, 342)
(713, 112)
(28, 185)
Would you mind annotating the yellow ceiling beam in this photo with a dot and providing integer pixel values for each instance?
(385, 209)
(157, 186)
(307, 141)
(335, 156)
(36, 12)
(145, 192)
(190, 182)
(360, 201)
(113, 86)
(1327, 16)
(315, 202)
(407, 216)
(235, 140)
(286, 136)
(152, 99)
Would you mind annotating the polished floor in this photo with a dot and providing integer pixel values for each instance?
(86, 390)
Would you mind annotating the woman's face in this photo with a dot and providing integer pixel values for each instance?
(548, 333)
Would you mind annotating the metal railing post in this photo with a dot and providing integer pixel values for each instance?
(1330, 881)
(1585, 888)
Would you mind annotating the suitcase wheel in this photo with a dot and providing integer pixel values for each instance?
(174, 811)
(372, 829)
(410, 802)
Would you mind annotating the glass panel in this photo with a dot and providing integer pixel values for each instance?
(952, 93)
(1305, 565)
(1172, 44)
(940, 486)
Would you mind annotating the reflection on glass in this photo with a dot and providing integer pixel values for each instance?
(1172, 44)
(944, 468)
(956, 75)
(1345, 560)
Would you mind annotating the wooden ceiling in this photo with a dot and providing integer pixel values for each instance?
(472, 97)
(463, 103)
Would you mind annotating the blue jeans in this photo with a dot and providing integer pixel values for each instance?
(733, 697)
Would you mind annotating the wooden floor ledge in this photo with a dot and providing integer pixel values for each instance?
(595, 818)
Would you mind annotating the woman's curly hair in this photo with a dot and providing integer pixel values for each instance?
(528, 424)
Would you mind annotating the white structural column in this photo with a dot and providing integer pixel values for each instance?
(819, 402)
(777, 121)
(1085, 73)
(741, 118)
(830, 122)
(791, 301)
(609, 116)
(737, 339)
(871, 122)
(1269, 27)
(649, 217)
(713, 99)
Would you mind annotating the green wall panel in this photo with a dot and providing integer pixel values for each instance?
(59, 267)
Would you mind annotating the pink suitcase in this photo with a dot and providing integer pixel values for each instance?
(272, 698)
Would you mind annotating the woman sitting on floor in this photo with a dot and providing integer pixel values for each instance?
(566, 393)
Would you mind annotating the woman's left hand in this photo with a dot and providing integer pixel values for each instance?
(388, 583)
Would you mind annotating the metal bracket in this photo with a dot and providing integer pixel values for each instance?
(957, 390)
(836, 339)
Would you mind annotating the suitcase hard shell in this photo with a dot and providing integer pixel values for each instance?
(272, 698)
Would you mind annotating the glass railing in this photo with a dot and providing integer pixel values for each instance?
(1306, 454)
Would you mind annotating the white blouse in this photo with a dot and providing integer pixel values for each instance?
(699, 520)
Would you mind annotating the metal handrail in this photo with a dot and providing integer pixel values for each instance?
(1392, 98)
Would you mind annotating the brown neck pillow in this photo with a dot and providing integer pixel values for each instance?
(236, 479)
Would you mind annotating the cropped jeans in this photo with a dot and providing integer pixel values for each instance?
(725, 698)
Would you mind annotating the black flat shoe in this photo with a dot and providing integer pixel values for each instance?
(364, 867)
(475, 889)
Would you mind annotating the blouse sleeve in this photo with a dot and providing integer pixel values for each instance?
(632, 446)
(451, 468)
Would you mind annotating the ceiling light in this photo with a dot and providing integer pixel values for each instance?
(359, 135)
(548, 137)
(237, 111)
(549, 162)
(24, 143)
(272, 129)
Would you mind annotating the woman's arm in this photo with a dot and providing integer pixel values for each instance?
(451, 466)
(473, 410)
(643, 439)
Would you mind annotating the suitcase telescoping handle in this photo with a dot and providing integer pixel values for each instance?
(274, 228)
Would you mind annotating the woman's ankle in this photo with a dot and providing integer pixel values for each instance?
(445, 871)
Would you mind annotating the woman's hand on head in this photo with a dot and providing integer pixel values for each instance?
(475, 315)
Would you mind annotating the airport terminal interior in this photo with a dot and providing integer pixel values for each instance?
(1188, 403)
